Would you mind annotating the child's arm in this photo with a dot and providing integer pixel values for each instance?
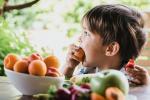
(71, 63)
(140, 75)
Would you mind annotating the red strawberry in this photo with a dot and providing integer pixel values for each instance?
(130, 64)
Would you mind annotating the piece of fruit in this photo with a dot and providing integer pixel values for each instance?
(76, 88)
(21, 66)
(51, 71)
(37, 67)
(85, 86)
(113, 93)
(26, 59)
(63, 94)
(130, 64)
(109, 78)
(79, 55)
(78, 93)
(35, 56)
(52, 61)
(10, 60)
(96, 96)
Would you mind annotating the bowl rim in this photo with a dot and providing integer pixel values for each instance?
(34, 76)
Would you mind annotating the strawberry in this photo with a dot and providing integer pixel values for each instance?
(130, 64)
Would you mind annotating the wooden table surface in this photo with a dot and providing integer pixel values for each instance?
(9, 92)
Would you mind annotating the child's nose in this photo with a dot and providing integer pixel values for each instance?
(80, 39)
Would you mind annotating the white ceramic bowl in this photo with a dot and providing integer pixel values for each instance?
(30, 85)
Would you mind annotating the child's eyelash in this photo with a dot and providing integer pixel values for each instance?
(86, 33)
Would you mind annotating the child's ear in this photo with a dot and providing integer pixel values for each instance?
(112, 49)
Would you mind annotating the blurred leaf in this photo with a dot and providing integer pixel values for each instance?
(1, 3)
(71, 32)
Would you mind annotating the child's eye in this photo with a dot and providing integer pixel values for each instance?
(86, 33)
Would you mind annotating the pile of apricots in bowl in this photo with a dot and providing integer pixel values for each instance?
(34, 64)
(33, 74)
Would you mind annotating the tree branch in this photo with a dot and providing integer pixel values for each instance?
(20, 6)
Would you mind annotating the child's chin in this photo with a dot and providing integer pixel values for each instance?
(85, 64)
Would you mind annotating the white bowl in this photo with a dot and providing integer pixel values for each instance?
(30, 85)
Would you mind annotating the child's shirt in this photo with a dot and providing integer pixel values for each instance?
(84, 70)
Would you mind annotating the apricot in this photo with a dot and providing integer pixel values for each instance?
(52, 74)
(79, 55)
(96, 96)
(10, 60)
(114, 93)
(35, 56)
(37, 67)
(51, 71)
(21, 66)
(52, 61)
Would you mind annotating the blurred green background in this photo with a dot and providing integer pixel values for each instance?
(46, 26)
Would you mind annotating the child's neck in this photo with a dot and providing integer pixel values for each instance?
(111, 63)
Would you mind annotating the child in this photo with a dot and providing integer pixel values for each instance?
(112, 34)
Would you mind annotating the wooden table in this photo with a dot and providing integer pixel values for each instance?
(9, 92)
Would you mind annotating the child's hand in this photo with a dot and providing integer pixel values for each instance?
(139, 74)
(70, 60)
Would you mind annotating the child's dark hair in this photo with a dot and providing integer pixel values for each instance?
(118, 23)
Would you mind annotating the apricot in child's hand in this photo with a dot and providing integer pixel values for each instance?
(79, 55)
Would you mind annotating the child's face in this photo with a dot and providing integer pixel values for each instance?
(91, 43)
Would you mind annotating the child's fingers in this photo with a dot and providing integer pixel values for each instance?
(135, 73)
(140, 68)
(72, 46)
(71, 49)
(131, 70)
(139, 74)
(136, 69)
(136, 81)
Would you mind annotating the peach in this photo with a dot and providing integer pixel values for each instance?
(10, 60)
(52, 61)
(37, 67)
(21, 66)
(114, 93)
(96, 96)
(35, 56)
(51, 71)
(52, 74)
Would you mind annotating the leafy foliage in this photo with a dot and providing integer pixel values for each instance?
(139, 4)
(75, 15)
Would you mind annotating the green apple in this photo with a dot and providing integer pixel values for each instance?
(109, 78)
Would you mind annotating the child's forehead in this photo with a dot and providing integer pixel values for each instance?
(84, 24)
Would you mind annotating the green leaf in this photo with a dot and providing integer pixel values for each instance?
(1, 3)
